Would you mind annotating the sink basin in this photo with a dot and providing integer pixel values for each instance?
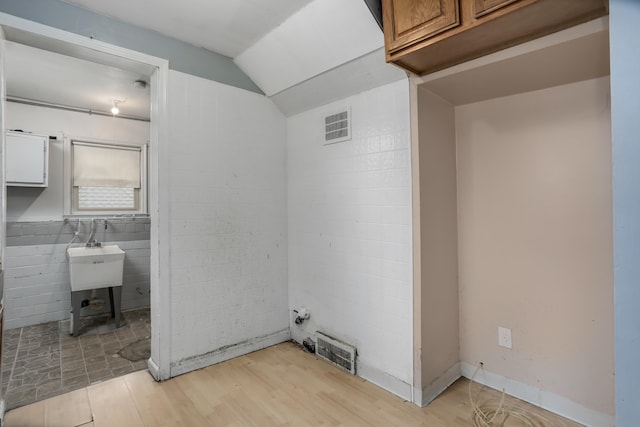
(95, 267)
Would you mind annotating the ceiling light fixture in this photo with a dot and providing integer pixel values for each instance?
(114, 106)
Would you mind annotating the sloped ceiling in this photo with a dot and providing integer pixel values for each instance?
(322, 36)
(225, 26)
(280, 44)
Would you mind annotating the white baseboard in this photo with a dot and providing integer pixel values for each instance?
(440, 384)
(372, 374)
(154, 370)
(229, 352)
(384, 380)
(544, 399)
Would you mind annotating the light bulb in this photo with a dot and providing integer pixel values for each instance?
(115, 110)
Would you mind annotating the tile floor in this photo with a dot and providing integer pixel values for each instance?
(42, 361)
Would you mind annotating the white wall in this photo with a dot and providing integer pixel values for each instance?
(535, 245)
(228, 218)
(35, 204)
(349, 210)
(437, 339)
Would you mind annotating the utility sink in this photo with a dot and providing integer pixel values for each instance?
(95, 267)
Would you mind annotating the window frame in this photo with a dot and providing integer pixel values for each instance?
(71, 208)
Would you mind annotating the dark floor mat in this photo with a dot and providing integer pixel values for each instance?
(137, 350)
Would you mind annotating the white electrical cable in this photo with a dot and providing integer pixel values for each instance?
(497, 415)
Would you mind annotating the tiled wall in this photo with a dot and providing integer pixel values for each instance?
(37, 286)
(58, 232)
(228, 268)
(349, 213)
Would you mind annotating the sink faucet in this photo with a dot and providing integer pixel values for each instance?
(91, 242)
(94, 244)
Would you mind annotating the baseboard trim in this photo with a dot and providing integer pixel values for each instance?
(384, 380)
(228, 352)
(550, 401)
(154, 370)
(437, 386)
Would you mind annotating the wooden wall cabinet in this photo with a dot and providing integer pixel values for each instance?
(482, 7)
(423, 36)
(416, 20)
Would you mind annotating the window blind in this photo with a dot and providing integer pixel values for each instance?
(106, 198)
(100, 165)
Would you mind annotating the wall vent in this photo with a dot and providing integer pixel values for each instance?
(337, 127)
(335, 351)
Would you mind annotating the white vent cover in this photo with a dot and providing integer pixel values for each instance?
(337, 127)
(335, 351)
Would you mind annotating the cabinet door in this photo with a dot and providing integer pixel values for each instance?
(410, 21)
(482, 7)
(26, 160)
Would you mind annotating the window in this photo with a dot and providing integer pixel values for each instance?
(105, 178)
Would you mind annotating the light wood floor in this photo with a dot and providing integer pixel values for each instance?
(278, 386)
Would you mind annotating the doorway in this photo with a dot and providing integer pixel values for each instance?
(154, 71)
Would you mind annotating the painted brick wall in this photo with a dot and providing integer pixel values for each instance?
(36, 284)
(349, 212)
(227, 220)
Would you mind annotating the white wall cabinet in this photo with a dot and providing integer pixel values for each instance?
(27, 159)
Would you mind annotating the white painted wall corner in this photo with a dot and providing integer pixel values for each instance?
(384, 380)
(217, 356)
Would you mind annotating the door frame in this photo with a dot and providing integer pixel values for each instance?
(159, 364)
(3, 206)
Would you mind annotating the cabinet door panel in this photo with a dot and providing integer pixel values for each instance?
(26, 160)
(409, 21)
(482, 7)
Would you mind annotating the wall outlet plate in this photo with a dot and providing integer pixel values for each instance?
(504, 337)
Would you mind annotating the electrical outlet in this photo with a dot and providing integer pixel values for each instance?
(504, 337)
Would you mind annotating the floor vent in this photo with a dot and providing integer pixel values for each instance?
(337, 127)
(340, 354)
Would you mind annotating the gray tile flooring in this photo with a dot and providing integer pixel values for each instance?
(42, 361)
